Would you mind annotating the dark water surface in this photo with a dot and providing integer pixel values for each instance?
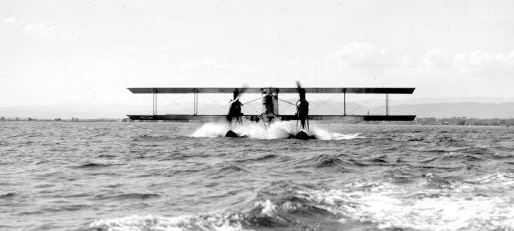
(156, 176)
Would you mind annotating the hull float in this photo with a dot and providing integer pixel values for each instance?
(302, 135)
(232, 134)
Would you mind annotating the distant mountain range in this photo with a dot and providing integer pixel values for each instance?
(440, 110)
(465, 109)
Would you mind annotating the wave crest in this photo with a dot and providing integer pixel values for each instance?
(178, 223)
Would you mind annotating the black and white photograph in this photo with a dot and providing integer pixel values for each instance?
(256, 115)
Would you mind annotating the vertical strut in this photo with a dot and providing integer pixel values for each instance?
(154, 109)
(275, 104)
(263, 106)
(195, 106)
(387, 104)
(344, 102)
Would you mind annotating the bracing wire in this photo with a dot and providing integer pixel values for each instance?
(287, 102)
(253, 100)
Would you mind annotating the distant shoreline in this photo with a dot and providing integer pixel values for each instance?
(460, 121)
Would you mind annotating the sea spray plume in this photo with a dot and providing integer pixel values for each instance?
(211, 130)
(277, 130)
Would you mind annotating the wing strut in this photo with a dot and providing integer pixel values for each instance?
(387, 104)
(154, 110)
(344, 102)
(195, 102)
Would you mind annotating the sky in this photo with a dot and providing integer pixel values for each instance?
(89, 52)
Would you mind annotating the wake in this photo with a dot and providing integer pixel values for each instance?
(277, 130)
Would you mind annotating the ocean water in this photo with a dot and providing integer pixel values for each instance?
(186, 176)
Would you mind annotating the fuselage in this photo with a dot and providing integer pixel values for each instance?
(269, 104)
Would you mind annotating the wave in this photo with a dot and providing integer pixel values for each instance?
(93, 165)
(8, 195)
(323, 161)
(146, 137)
(466, 205)
(392, 206)
(205, 222)
(129, 196)
(329, 162)
(107, 156)
(228, 169)
(461, 156)
(261, 214)
(260, 158)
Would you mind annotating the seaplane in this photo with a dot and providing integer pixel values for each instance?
(270, 110)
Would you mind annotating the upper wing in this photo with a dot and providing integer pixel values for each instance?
(322, 90)
(351, 90)
(183, 117)
(182, 90)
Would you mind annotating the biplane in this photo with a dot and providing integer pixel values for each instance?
(270, 107)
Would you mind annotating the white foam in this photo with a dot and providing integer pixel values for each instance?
(268, 208)
(323, 134)
(277, 130)
(178, 223)
(416, 207)
(211, 130)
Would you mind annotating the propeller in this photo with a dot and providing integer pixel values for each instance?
(238, 92)
(302, 107)
(300, 90)
(234, 111)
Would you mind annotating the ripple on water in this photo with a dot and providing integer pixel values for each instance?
(128, 196)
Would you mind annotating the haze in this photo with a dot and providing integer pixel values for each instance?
(88, 52)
